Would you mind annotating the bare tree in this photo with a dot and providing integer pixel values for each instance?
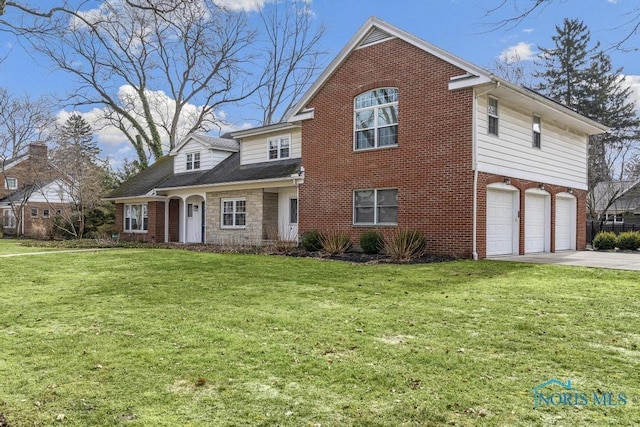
(161, 69)
(512, 69)
(124, 56)
(292, 54)
(523, 9)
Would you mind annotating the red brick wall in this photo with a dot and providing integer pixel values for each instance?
(431, 167)
(155, 232)
(174, 224)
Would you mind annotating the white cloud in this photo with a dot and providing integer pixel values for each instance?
(241, 5)
(633, 82)
(521, 52)
(613, 1)
(528, 30)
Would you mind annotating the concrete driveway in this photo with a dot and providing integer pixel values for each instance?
(614, 260)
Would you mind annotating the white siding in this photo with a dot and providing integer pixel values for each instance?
(255, 149)
(208, 158)
(562, 160)
(52, 193)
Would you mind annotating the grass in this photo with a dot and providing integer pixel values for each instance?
(168, 337)
(16, 246)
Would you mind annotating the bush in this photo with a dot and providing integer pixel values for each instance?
(311, 241)
(335, 242)
(604, 240)
(405, 245)
(628, 241)
(371, 242)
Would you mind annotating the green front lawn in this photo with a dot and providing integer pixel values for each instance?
(169, 337)
(19, 246)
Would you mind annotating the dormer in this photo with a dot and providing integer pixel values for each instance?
(272, 143)
(199, 153)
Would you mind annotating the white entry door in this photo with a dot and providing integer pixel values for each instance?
(535, 223)
(288, 214)
(501, 222)
(194, 223)
(565, 223)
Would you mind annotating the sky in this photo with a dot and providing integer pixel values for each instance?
(461, 27)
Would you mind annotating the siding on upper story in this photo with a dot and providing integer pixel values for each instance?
(561, 160)
(255, 149)
(54, 192)
(209, 158)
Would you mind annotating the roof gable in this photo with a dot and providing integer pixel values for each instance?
(375, 31)
(210, 142)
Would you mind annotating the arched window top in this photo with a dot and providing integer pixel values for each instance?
(376, 119)
(382, 96)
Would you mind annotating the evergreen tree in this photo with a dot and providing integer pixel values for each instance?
(76, 156)
(565, 65)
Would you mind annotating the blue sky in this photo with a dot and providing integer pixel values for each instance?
(458, 26)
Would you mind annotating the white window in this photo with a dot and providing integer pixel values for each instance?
(376, 119)
(492, 116)
(45, 213)
(8, 219)
(136, 218)
(279, 148)
(537, 132)
(193, 161)
(234, 213)
(375, 206)
(34, 212)
(11, 183)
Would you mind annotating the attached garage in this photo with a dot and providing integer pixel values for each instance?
(502, 220)
(537, 224)
(565, 222)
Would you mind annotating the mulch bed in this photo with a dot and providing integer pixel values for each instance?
(3, 421)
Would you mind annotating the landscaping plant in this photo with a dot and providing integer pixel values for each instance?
(371, 242)
(335, 242)
(604, 241)
(405, 245)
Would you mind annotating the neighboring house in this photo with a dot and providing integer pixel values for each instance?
(216, 190)
(616, 202)
(32, 193)
(395, 134)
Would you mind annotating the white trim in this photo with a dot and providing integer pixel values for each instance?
(375, 208)
(235, 200)
(264, 129)
(529, 176)
(193, 160)
(376, 127)
(307, 114)
(279, 139)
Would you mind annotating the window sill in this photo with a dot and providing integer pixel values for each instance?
(375, 225)
(231, 227)
(366, 150)
(135, 231)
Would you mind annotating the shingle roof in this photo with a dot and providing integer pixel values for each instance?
(146, 180)
(160, 175)
(230, 170)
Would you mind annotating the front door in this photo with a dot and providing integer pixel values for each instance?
(293, 218)
(288, 214)
(194, 223)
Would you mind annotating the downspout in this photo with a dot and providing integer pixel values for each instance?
(474, 137)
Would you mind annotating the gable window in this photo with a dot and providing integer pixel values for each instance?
(8, 219)
(193, 161)
(279, 148)
(376, 119)
(135, 218)
(492, 113)
(45, 213)
(11, 183)
(375, 206)
(537, 132)
(34, 212)
(234, 213)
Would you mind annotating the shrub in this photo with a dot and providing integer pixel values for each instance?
(405, 245)
(604, 240)
(311, 241)
(628, 241)
(371, 242)
(335, 242)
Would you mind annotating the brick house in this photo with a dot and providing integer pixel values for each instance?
(31, 194)
(397, 133)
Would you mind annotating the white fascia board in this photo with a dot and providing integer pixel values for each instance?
(263, 129)
(135, 199)
(529, 176)
(257, 183)
(303, 115)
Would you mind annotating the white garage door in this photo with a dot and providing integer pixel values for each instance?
(565, 223)
(534, 223)
(500, 222)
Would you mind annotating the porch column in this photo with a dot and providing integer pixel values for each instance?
(183, 221)
(166, 220)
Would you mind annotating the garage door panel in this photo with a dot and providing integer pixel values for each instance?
(535, 230)
(565, 224)
(500, 222)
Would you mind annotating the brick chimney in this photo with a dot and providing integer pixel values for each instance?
(38, 150)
